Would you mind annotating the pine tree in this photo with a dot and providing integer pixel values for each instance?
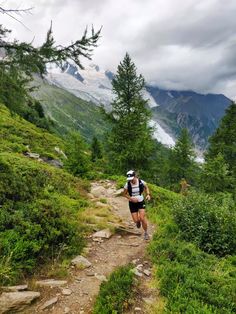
(77, 161)
(215, 175)
(182, 164)
(223, 141)
(129, 142)
(96, 149)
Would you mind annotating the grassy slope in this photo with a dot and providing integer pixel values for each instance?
(40, 204)
(44, 211)
(190, 281)
(16, 134)
(70, 112)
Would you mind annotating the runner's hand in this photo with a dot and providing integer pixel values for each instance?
(148, 197)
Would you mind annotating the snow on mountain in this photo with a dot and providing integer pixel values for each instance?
(94, 84)
(161, 135)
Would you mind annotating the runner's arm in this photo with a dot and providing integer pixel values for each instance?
(148, 197)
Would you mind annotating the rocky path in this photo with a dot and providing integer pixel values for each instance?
(77, 295)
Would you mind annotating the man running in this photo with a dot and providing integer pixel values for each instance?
(133, 191)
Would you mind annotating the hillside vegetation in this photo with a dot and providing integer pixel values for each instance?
(70, 112)
(189, 278)
(40, 204)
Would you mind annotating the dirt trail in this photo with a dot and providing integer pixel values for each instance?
(119, 250)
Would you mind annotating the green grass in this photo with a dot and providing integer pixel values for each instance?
(18, 136)
(190, 280)
(116, 294)
(40, 204)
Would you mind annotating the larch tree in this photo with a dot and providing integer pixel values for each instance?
(19, 61)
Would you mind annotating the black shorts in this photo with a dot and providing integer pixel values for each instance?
(135, 207)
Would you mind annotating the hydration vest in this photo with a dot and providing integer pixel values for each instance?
(141, 187)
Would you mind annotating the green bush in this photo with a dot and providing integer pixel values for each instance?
(208, 221)
(38, 216)
(189, 280)
(116, 293)
(192, 281)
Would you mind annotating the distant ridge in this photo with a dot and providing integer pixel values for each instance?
(172, 110)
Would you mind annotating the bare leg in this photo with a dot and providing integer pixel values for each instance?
(135, 217)
(143, 219)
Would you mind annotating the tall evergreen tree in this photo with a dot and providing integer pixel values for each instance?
(77, 162)
(129, 142)
(182, 164)
(96, 149)
(215, 175)
(223, 141)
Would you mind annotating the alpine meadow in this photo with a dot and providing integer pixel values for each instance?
(69, 133)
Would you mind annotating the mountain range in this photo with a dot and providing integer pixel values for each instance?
(171, 110)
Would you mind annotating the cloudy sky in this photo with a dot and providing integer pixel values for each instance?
(176, 44)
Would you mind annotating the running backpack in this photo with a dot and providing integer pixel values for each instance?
(141, 187)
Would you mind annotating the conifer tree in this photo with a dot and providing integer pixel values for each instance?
(96, 149)
(129, 142)
(223, 141)
(215, 176)
(77, 161)
(182, 164)
(20, 60)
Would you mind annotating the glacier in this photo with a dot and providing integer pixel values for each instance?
(94, 84)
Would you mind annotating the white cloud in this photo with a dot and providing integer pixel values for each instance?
(183, 44)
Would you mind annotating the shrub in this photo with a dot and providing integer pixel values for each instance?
(192, 281)
(116, 293)
(208, 221)
(38, 216)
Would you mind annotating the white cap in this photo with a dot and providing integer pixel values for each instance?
(130, 175)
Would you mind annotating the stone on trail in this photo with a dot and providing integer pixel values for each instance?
(101, 277)
(118, 192)
(49, 303)
(106, 233)
(16, 301)
(136, 272)
(139, 267)
(98, 191)
(15, 288)
(51, 283)
(147, 272)
(81, 262)
(66, 310)
(66, 291)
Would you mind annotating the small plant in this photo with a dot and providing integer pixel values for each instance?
(115, 294)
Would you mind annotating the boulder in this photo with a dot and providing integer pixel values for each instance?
(16, 301)
(106, 233)
(80, 262)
